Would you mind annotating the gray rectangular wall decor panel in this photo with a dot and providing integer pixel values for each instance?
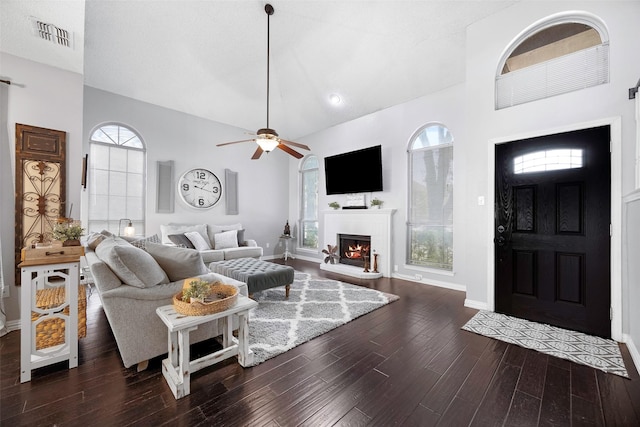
(165, 191)
(231, 192)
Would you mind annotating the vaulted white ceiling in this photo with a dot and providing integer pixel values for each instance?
(208, 58)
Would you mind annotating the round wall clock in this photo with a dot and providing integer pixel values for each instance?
(200, 188)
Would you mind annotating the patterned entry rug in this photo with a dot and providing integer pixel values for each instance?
(577, 347)
(315, 306)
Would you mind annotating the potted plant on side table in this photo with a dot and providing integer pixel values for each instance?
(68, 232)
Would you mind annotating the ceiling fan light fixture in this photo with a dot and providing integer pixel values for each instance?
(267, 144)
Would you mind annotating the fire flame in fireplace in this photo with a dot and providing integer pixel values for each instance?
(356, 251)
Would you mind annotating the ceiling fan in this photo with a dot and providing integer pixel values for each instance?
(266, 138)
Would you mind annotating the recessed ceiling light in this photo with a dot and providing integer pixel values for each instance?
(335, 99)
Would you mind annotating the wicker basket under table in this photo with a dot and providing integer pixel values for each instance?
(51, 332)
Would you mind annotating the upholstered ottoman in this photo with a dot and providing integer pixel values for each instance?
(258, 275)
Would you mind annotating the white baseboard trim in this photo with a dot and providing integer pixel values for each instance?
(307, 258)
(635, 354)
(447, 285)
(478, 305)
(13, 325)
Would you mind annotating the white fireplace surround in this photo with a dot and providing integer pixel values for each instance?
(367, 222)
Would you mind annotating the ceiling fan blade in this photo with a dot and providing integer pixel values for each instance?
(291, 151)
(233, 142)
(257, 154)
(295, 144)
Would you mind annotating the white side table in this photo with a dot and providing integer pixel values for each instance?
(178, 367)
(287, 254)
(43, 275)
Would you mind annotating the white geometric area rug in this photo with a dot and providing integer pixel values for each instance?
(314, 306)
(596, 352)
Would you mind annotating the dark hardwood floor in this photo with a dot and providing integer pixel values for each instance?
(408, 363)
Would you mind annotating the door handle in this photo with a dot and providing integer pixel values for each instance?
(500, 240)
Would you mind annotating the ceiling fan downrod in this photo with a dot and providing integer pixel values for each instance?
(269, 10)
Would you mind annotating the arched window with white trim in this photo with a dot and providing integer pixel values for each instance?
(309, 203)
(430, 225)
(559, 54)
(117, 177)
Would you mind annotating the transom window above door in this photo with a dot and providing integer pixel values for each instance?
(548, 160)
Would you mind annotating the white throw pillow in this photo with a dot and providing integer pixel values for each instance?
(226, 240)
(199, 242)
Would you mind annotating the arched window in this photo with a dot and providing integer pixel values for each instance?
(309, 203)
(559, 54)
(116, 179)
(430, 225)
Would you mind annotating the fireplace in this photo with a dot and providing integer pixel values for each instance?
(375, 223)
(353, 249)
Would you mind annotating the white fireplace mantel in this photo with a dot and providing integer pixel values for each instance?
(369, 222)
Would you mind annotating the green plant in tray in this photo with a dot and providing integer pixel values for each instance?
(198, 290)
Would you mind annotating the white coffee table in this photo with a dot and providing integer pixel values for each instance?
(177, 368)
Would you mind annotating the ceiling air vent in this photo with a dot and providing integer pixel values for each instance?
(51, 33)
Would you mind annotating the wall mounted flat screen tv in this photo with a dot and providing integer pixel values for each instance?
(357, 171)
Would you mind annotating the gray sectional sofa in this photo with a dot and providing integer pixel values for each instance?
(219, 242)
(132, 282)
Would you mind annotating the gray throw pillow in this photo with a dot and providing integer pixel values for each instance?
(142, 243)
(178, 263)
(132, 265)
(241, 241)
(181, 240)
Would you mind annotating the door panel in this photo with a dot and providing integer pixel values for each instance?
(552, 252)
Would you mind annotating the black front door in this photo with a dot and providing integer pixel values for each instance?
(552, 230)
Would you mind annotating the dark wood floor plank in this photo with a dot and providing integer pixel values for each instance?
(459, 413)
(620, 410)
(524, 410)
(585, 413)
(556, 398)
(478, 381)
(439, 397)
(402, 397)
(346, 382)
(584, 383)
(343, 402)
(496, 402)
(354, 418)
(422, 417)
(533, 373)
(368, 372)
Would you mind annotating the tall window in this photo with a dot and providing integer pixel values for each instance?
(430, 226)
(116, 179)
(309, 203)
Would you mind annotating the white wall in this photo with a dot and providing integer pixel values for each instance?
(46, 97)
(191, 142)
(392, 128)
(485, 42)
(631, 274)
